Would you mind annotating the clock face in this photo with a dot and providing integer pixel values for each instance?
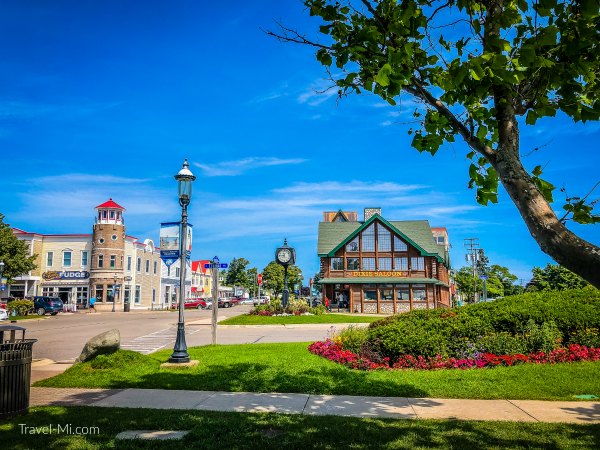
(284, 255)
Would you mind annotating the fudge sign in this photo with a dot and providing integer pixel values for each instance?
(65, 275)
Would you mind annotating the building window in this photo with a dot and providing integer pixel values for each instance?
(177, 272)
(352, 246)
(368, 264)
(84, 258)
(100, 261)
(370, 294)
(402, 294)
(384, 264)
(417, 263)
(153, 295)
(155, 267)
(114, 237)
(384, 239)
(386, 293)
(368, 239)
(337, 263)
(147, 266)
(104, 214)
(440, 240)
(101, 240)
(139, 264)
(129, 263)
(49, 258)
(352, 264)
(82, 295)
(419, 293)
(399, 245)
(127, 294)
(138, 293)
(67, 259)
(113, 261)
(401, 263)
(112, 214)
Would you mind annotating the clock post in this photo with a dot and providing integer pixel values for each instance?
(285, 256)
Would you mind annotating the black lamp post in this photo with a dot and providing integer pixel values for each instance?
(114, 293)
(184, 179)
(285, 256)
(1, 273)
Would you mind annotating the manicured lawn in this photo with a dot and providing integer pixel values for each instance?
(290, 367)
(31, 317)
(217, 430)
(247, 319)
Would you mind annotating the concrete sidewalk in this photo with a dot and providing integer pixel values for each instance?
(336, 405)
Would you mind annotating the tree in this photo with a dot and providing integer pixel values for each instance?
(14, 253)
(236, 273)
(251, 276)
(273, 277)
(554, 277)
(506, 278)
(467, 284)
(505, 62)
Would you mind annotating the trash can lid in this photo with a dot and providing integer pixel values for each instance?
(11, 327)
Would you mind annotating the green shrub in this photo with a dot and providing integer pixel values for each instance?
(545, 337)
(352, 338)
(590, 337)
(21, 307)
(526, 322)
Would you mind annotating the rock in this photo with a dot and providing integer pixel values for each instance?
(104, 343)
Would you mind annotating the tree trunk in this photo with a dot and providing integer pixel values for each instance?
(567, 249)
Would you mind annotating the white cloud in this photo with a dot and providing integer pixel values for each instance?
(231, 168)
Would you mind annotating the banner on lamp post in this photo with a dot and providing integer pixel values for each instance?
(169, 242)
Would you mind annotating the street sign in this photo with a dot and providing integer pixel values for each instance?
(216, 266)
(259, 279)
(484, 277)
(127, 278)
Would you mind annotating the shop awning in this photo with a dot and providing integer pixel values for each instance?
(381, 280)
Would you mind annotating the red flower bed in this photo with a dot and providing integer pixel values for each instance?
(334, 352)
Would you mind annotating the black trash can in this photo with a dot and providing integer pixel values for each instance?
(126, 307)
(15, 371)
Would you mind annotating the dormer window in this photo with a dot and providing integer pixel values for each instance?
(112, 214)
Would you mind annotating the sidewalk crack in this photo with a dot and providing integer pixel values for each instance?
(306, 403)
(518, 407)
(412, 407)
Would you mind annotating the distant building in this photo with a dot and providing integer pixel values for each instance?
(382, 266)
(201, 279)
(107, 264)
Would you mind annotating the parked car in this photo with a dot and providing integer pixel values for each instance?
(43, 305)
(225, 302)
(3, 314)
(248, 301)
(262, 300)
(197, 303)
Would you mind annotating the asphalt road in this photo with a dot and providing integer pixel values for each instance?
(62, 337)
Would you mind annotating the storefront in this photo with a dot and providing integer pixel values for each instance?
(382, 267)
(71, 286)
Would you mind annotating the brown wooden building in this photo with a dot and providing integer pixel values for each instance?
(381, 266)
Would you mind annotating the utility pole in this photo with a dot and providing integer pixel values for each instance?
(472, 247)
(215, 305)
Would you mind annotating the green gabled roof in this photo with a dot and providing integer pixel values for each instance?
(334, 235)
(381, 280)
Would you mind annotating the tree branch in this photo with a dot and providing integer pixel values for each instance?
(290, 35)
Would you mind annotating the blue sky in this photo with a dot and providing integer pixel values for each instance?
(106, 99)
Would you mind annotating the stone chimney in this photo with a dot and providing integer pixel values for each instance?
(370, 212)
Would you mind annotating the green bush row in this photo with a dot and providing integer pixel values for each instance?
(539, 321)
(22, 307)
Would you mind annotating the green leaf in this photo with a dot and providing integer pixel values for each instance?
(382, 77)
(537, 171)
(531, 117)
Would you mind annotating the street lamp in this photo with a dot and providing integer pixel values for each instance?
(184, 179)
(1, 273)
(114, 292)
(285, 256)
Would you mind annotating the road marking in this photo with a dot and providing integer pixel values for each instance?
(152, 342)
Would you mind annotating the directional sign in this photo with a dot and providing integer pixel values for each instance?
(484, 277)
(216, 266)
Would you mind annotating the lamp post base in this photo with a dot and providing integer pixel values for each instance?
(180, 354)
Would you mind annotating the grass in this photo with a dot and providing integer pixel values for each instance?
(247, 319)
(217, 430)
(290, 368)
(30, 317)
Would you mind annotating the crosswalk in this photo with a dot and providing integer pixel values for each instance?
(152, 342)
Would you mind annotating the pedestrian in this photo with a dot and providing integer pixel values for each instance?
(92, 303)
(326, 303)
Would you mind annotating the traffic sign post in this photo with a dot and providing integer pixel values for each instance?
(259, 279)
(484, 278)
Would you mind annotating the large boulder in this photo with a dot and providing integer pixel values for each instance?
(104, 343)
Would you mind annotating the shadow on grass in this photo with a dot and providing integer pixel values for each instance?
(215, 430)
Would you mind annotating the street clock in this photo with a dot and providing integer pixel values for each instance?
(285, 255)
